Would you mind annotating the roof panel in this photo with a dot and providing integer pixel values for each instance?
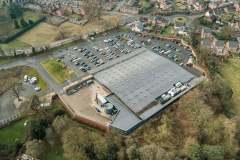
(142, 78)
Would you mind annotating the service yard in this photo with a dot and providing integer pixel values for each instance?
(81, 103)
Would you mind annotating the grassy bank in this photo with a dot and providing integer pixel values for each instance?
(59, 72)
(14, 132)
(231, 73)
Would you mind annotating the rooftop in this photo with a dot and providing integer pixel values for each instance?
(137, 81)
(141, 79)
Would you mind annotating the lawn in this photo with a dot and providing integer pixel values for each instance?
(32, 15)
(15, 44)
(57, 70)
(41, 83)
(180, 20)
(231, 73)
(4, 61)
(13, 133)
(42, 34)
(168, 31)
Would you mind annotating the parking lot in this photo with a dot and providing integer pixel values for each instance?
(99, 50)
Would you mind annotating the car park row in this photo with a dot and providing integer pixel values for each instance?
(89, 55)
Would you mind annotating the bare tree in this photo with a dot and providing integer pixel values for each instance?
(35, 102)
(17, 88)
(93, 9)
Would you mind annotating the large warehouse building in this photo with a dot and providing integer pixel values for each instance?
(141, 85)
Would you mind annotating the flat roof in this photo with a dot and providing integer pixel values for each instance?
(138, 81)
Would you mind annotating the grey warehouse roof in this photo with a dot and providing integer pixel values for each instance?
(138, 81)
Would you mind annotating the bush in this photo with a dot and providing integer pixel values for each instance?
(195, 152)
(37, 128)
(203, 21)
(23, 23)
(7, 152)
(14, 11)
(35, 148)
(213, 152)
(226, 33)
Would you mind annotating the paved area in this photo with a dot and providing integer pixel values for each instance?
(82, 103)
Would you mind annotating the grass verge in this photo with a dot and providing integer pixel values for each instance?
(15, 44)
(58, 70)
(14, 132)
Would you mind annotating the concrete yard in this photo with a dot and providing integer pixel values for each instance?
(81, 104)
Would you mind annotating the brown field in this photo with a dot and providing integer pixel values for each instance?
(43, 34)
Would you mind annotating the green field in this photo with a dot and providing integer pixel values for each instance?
(57, 70)
(4, 61)
(231, 73)
(180, 20)
(12, 133)
(168, 31)
(15, 44)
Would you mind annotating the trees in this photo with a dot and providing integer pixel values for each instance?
(7, 152)
(206, 152)
(37, 129)
(213, 64)
(133, 152)
(35, 148)
(14, 11)
(214, 132)
(93, 9)
(16, 24)
(23, 22)
(225, 33)
(154, 152)
(196, 39)
(195, 152)
(79, 143)
(16, 89)
(35, 102)
(224, 93)
(213, 152)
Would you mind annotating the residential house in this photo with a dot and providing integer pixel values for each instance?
(198, 7)
(129, 9)
(159, 21)
(164, 4)
(137, 26)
